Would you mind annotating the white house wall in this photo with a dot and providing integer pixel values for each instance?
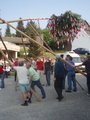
(10, 46)
(82, 40)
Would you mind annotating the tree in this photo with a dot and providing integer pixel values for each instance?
(34, 49)
(48, 38)
(8, 33)
(29, 31)
(13, 35)
(20, 26)
(65, 27)
(46, 35)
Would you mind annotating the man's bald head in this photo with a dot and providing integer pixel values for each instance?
(28, 64)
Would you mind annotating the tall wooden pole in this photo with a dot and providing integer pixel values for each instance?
(28, 19)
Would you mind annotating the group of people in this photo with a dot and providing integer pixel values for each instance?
(44, 66)
(62, 70)
(30, 72)
(28, 78)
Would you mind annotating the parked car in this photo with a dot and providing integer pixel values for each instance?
(75, 56)
(82, 51)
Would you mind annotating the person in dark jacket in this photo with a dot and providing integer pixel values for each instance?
(62, 56)
(87, 67)
(59, 75)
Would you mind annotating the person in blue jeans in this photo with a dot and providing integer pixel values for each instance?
(35, 79)
(2, 76)
(70, 75)
(47, 67)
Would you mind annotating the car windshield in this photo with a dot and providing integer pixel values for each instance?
(77, 59)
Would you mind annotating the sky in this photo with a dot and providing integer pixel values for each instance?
(14, 9)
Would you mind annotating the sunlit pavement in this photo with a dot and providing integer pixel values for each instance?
(74, 106)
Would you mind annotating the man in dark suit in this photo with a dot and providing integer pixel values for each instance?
(59, 77)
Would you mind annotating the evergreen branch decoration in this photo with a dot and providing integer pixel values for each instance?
(66, 26)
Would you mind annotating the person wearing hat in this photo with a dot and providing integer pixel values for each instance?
(87, 69)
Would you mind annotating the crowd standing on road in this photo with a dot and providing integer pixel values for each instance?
(30, 74)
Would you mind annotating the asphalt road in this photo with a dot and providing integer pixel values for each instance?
(74, 106)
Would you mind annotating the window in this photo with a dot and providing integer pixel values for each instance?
(77, 59)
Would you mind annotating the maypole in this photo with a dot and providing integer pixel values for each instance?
(31, 39)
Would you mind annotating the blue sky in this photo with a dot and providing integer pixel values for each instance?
(14, 9)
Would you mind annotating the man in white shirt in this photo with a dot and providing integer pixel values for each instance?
(23, 82)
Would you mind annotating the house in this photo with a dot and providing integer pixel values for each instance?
(14, 44)
(13, 49)
(26, 41)
(82, 40)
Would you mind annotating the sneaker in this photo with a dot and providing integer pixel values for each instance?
(29, 100)
(43, 84)
(68, 91)
(24, 104)
(57, 97)
(43, 97)
(88, 94)
(74, 90)
(60, 98)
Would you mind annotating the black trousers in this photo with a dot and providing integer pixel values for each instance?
(15, 76)
(38, 84)
(58, 85)
(88, 83)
